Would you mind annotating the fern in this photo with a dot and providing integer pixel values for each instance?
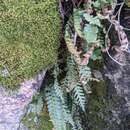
(61, 95)
(77, 117)
(72, 74)
(79, 96)
(57, 105)
(56, 97)
(85, 76)
(67, 95)
(72, 81)
(55, 109)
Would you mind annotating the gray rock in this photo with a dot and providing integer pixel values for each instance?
(13, 106)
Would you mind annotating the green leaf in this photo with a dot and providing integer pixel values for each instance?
(88, 17)
(97, 4)
(96, 54)
(92, 20)
(90, 33)
(96, 21)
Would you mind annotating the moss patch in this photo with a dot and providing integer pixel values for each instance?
(37, 116)
(29, 38)
(34, 122)
(100, 108)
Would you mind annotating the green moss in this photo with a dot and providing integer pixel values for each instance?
(97, 105)
(99, 88)
(29, 38)
(100, 108)
(34, 122)
(37, 116)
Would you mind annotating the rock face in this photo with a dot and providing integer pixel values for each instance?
(119, 85)
(29, 38)
(110, 110)
(118, 77)
(13, 107)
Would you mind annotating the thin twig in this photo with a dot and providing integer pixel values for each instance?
(122, 4)
(106, 37)
(119, 11)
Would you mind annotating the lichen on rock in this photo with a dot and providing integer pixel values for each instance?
(29, 38)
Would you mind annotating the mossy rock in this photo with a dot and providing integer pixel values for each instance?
(37, 116)
(35, 122)
(29, 38)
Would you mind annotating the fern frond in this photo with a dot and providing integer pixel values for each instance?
(79, 96)
(85, 73)
(55, 109)
(58, 109)
(72, 74)
(85, 76)
(61, 94)
(70, 44)
(77, 117)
